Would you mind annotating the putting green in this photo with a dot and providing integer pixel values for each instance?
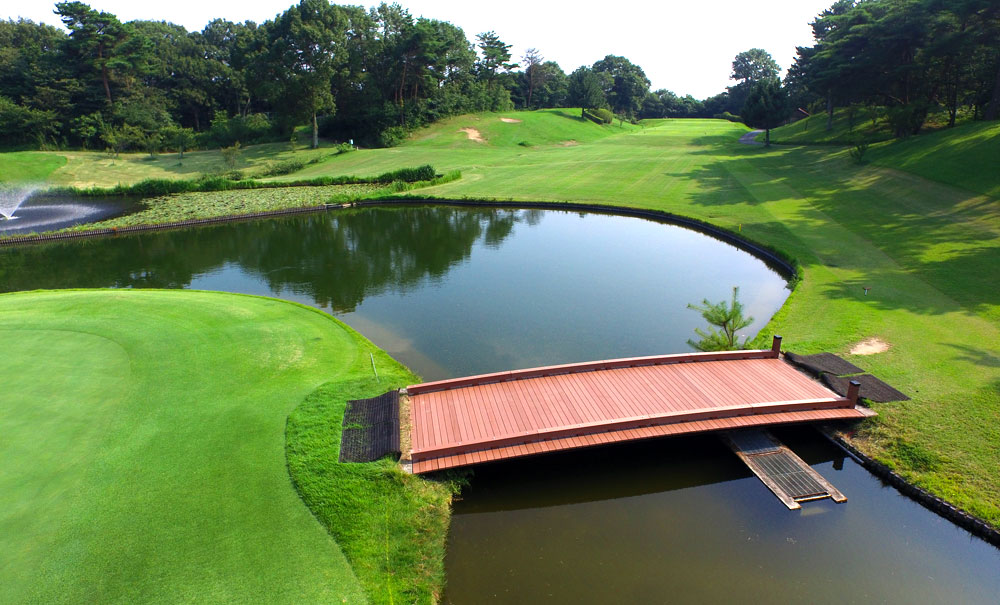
(143, 447)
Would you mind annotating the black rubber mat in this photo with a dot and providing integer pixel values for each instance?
(824, 362)
(371, 428)
(872, 388)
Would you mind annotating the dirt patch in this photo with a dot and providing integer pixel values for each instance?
(870, 346)
(569, 143)
(510, 120)
(473, 134)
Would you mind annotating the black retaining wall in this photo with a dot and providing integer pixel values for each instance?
(966, 521)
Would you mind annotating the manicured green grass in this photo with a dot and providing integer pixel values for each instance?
(926, 250)
(94, 168)
(28, 166)
(144, 449)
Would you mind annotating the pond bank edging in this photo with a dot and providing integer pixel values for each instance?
(972, 524)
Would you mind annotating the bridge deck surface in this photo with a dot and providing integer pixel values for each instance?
(479, 419)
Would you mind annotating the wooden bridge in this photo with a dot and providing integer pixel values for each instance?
(477, 419)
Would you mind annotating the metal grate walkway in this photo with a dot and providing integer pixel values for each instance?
(788, 476)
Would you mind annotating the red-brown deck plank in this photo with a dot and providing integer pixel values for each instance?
(529, 412)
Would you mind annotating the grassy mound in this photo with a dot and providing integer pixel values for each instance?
(515, 129)
(144, 449)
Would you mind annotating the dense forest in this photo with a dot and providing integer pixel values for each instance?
(373, 75)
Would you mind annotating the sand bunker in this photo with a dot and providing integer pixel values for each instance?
(870, 346)
(510, 120)
(473, 134)
(569, 143)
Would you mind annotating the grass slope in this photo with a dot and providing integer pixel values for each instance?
(28, 166)
(812, 130)
(144, 449)
(546, 131)
(964, 156)
(923, 247)
(967, 156)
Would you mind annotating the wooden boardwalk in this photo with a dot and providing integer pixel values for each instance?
(477, 419)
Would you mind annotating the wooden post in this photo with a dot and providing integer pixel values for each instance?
(853, 388)
(776, 346)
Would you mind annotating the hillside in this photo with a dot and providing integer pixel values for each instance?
(966, 156)
(812, 130)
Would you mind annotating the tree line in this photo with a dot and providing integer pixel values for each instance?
(373, 75)
(368, 75)
(902, 60)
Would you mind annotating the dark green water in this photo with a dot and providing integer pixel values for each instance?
(456, 291)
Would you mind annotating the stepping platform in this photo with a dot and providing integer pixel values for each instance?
(824, 363)
(872, 388)
(371, 428)
(788, 476)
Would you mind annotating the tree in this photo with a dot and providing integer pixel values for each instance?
(749, 66)
(725, 320)
(103, 43)
(534, 73)
(586, 89)
(495, 57)
(766, 106)
(754, 65)
(628, 84)
(307, 46)
(179, 138)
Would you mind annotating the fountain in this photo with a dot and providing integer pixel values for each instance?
(11, 198)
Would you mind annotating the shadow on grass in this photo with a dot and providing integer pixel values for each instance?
(933, 239)
(979, 357)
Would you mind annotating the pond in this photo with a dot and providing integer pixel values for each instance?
(22, 212)
(456, 291)
(447, 291)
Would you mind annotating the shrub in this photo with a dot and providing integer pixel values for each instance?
(392, 136)
(280, 168)
(409, 175)
(599, 115)
(858, 149)
(232, 155)
(725, 115)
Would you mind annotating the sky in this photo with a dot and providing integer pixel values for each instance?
(687, 47)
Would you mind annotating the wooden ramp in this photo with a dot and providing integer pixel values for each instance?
(788, 476)
(478, 419)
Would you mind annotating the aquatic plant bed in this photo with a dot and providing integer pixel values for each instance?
(187, 206)
(144, 456)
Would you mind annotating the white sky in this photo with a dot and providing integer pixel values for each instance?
(687, 47)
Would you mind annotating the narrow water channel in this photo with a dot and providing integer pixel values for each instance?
(457, 291)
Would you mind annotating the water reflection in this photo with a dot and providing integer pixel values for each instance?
(682, 520)
(336, 261)
(448, 291)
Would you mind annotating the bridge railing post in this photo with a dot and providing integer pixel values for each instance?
(776, 346)
(853, 390)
